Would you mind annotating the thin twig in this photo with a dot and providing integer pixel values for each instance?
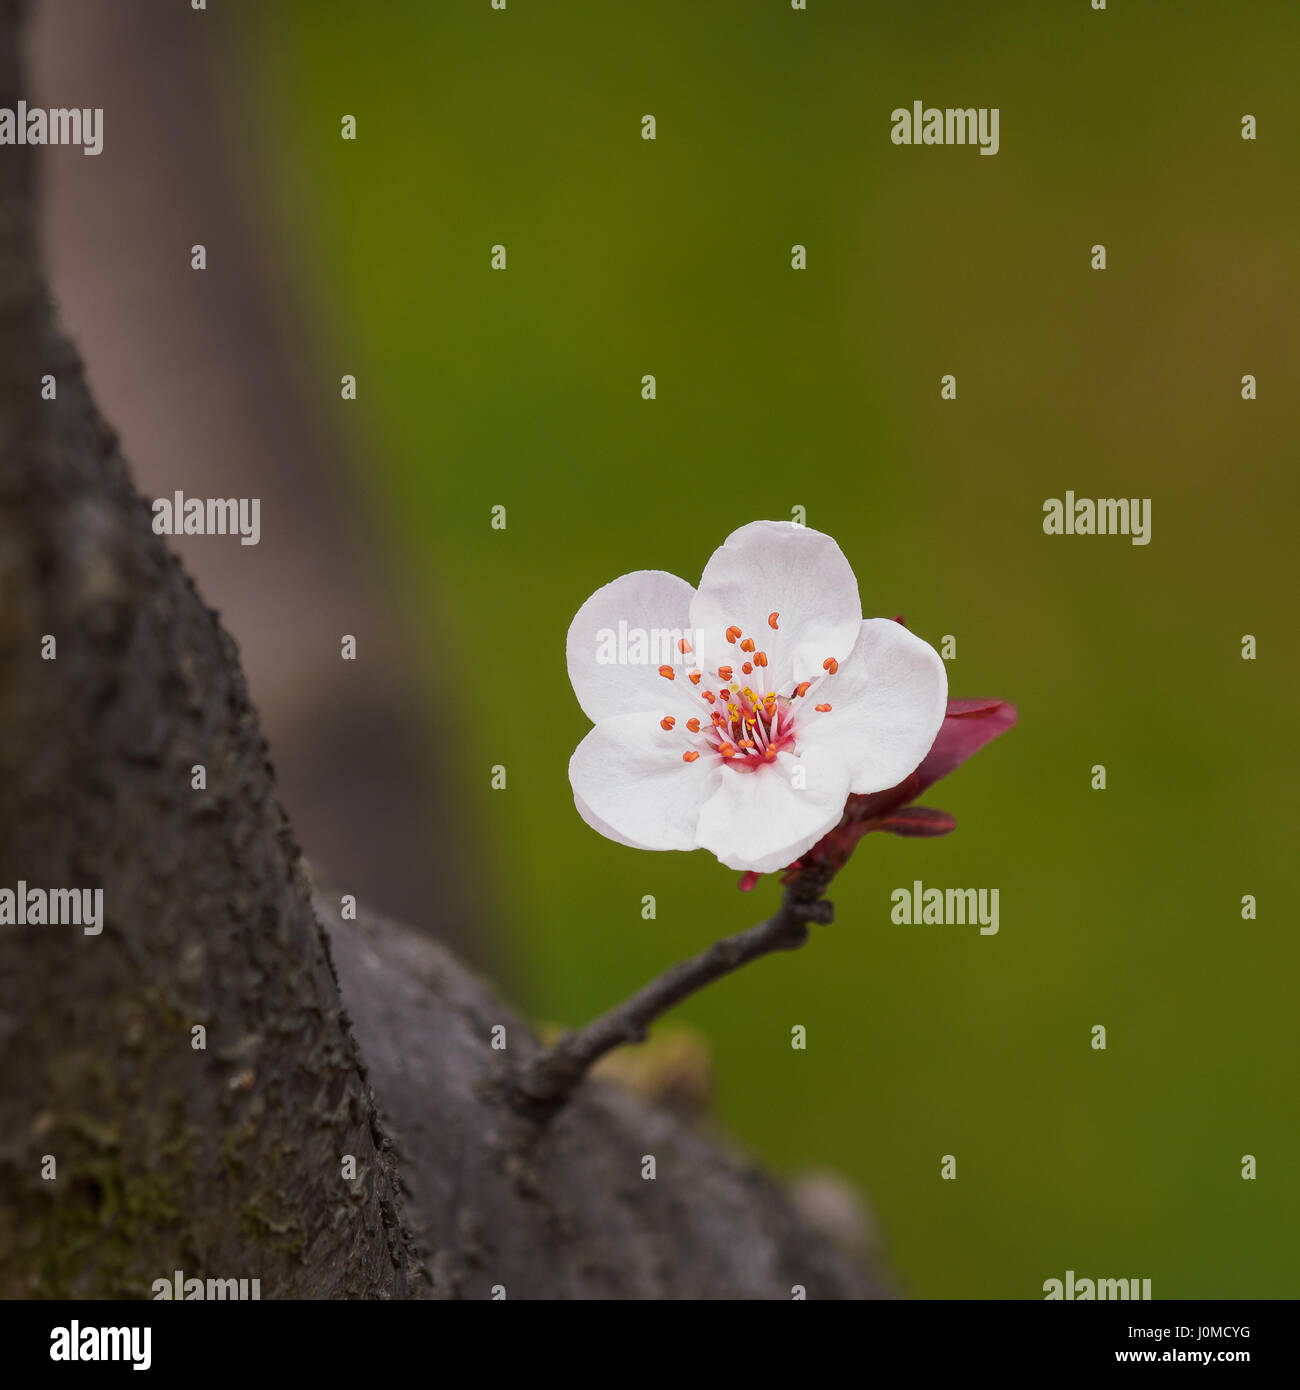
(553, 1077)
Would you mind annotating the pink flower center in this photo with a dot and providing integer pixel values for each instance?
(742, 721)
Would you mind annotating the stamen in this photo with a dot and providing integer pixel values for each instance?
(747, 669)
(732, 633)
(760, 658)
(747, 645)
(802, 688)
(666, 672)
(693, 725)
(726, 750)
(822, 709)
(831, 665)
(771, 620)
(690, 757)
(684, 646)
(695, 676)
(724, 672)
(667, 722)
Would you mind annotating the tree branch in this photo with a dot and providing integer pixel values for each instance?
(560, 1210)
(551, 1081)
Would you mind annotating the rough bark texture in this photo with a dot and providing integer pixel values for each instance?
(223, 1161)
(228, 1161)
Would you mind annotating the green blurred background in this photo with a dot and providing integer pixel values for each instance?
(820, 388)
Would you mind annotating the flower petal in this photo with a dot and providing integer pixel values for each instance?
(628, 776)
(763, 820)
(777, 567)
(600, 826)
(887, 704)
(612, 677)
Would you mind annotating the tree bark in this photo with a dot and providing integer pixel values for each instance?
(229, 1160)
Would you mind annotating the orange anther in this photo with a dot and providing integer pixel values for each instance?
(747, 669)
(771, 620)
(690, 757)
(732, 633)
(769, 753)
(724, 672)
(693, 725)
(666, 672)
(747, 645)
(667, 722)
(823, 709)
(710, 697)
(760, 658)
(747, 743)
(802, 688)
(726, 750)
(831, 665)
(683, 646)
(694, 677)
